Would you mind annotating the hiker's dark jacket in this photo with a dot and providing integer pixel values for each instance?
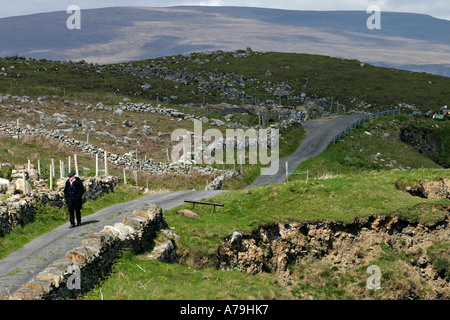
(74, 194)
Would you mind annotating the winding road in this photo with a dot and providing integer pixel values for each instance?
(319, 134)
(22, 265)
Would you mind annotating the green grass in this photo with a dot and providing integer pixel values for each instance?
(326, 77)
(48, 218)
(159, 281)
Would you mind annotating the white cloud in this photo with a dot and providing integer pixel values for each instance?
(214, 3)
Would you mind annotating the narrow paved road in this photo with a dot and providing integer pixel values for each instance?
(23, 264)
(319, 134)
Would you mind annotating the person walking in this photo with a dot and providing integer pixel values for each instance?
(73, 194)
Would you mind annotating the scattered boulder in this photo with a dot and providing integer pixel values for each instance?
(127, 124)
(189, 214)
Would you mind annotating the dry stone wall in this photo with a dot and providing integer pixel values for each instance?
(128, 162)
(81, 268)
(20, 207)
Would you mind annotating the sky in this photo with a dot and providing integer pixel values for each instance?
(435, 8)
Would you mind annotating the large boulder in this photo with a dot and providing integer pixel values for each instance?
(23, 186)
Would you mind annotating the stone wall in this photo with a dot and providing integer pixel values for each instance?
(20, 208)
(217, 183)
(16, 210)
(128, 162)
(80, 270)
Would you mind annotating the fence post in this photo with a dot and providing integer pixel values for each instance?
(287, 171)
(96, 164)
(75, 159)
(51, 178)
(184, 156)
(106, 163)
(242, 165)
(24, 183)
(124, 177)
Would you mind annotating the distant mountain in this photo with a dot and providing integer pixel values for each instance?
(110, 35)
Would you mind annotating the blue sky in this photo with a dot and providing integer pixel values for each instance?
(436, 8)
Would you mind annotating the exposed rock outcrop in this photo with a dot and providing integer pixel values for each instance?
(274, 247)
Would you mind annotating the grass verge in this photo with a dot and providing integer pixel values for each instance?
(137, 278)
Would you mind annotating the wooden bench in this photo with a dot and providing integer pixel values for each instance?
(205, 203)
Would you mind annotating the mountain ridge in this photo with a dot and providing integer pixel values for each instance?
(117, 34)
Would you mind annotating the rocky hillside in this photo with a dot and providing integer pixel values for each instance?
(240, 77)
(432, 140)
